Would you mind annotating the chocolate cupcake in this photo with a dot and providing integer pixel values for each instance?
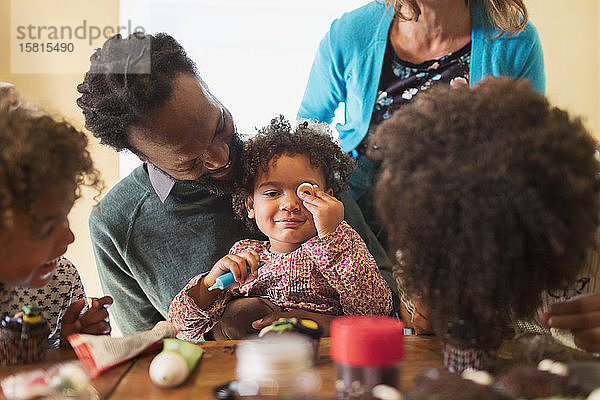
(24, 339)
(463, 348)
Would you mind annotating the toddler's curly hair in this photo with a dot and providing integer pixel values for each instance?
(37, 152)
(310, 139)
(490, 197)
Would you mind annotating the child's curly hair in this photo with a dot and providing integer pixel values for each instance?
(490, 198)
(37, 152)
(310, 139)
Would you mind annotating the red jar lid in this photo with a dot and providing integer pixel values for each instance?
(366, 340)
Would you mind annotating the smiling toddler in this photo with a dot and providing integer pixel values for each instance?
(313, 260)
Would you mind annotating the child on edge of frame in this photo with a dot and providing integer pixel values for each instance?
(43, 163)
(313, 261)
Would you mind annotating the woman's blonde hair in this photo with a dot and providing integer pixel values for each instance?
(37, 152)
(508, 16)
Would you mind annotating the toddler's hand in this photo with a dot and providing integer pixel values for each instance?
(237, 264)
(93, 321)
(327, 211)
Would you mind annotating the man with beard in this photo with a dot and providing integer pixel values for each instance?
(172, 217)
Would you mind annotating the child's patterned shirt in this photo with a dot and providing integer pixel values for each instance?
(64, 289)
(333, 275)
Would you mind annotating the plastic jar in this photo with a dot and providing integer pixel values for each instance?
(278, 366)
(367, 351)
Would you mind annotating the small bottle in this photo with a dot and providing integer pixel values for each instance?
(367, 351)
(277, 366)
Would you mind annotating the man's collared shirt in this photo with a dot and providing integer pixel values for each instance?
(161, 182)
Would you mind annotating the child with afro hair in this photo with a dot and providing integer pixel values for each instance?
(43, 164)
(313, 260)
(490, 196)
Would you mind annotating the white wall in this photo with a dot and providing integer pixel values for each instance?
(254, 55)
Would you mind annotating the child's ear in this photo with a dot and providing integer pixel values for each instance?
(329, 192)
(250, 206)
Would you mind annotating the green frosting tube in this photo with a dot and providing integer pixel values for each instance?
(191, 352)
(175, 362)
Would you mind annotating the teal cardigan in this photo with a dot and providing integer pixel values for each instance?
(348, 64)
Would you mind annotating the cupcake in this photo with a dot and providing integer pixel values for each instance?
(462, 349)
(23, 339)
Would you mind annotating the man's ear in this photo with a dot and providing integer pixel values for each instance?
(250, 206)
(329, 192)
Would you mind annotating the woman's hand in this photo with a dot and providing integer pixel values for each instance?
(580, 315)
(237, 264)
(94, 320)
(327, 211)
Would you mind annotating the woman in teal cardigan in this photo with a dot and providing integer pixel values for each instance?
(379, 56)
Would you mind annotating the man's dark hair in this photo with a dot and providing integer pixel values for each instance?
(309, 139)
(490, 196)
(128, 79)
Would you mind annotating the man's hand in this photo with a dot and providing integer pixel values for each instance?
(94, 320)
(323, 319)
(327, 211)
(581, 316)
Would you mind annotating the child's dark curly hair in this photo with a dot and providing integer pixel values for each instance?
(128, 79)
(37, 152)
(310, 139)
(490, 197)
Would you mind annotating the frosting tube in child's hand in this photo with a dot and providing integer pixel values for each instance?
(226, 280)
(99, 353)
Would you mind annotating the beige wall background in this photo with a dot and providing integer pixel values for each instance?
(57, 93)
(569, 31)
(570, 35)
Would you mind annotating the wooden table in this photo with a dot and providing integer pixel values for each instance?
(217, 366)
(105, 384)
